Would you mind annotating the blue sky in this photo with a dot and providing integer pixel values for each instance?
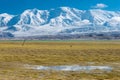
(18, 6)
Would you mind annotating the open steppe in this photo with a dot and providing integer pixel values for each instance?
(14, 56)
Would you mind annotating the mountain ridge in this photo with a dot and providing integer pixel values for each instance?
(62, 20)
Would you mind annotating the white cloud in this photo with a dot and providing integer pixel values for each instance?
(116, 19)
(85, 21)
(100, 5)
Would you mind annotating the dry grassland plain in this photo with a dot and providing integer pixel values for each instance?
(13, 57)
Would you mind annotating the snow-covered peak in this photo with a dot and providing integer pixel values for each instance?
(4, 19)
(4, 14)
(32, 11)
(7, 16)
(33, 17)
(71, 19)
(62, 16)
(98, 16)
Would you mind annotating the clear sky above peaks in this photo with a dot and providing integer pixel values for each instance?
(18, 6)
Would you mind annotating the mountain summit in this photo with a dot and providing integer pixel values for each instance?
(62, 20)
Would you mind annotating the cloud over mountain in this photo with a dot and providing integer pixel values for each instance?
(100, 6)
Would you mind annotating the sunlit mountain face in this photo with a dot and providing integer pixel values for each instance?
(60, 21)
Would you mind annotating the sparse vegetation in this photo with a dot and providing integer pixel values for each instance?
(13, 56)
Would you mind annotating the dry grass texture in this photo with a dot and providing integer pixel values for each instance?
(13, 56)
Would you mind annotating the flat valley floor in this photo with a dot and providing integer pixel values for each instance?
(14, 57)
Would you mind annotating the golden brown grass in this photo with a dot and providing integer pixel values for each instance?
(13, 56)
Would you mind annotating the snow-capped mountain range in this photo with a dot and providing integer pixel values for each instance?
(62, 20)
